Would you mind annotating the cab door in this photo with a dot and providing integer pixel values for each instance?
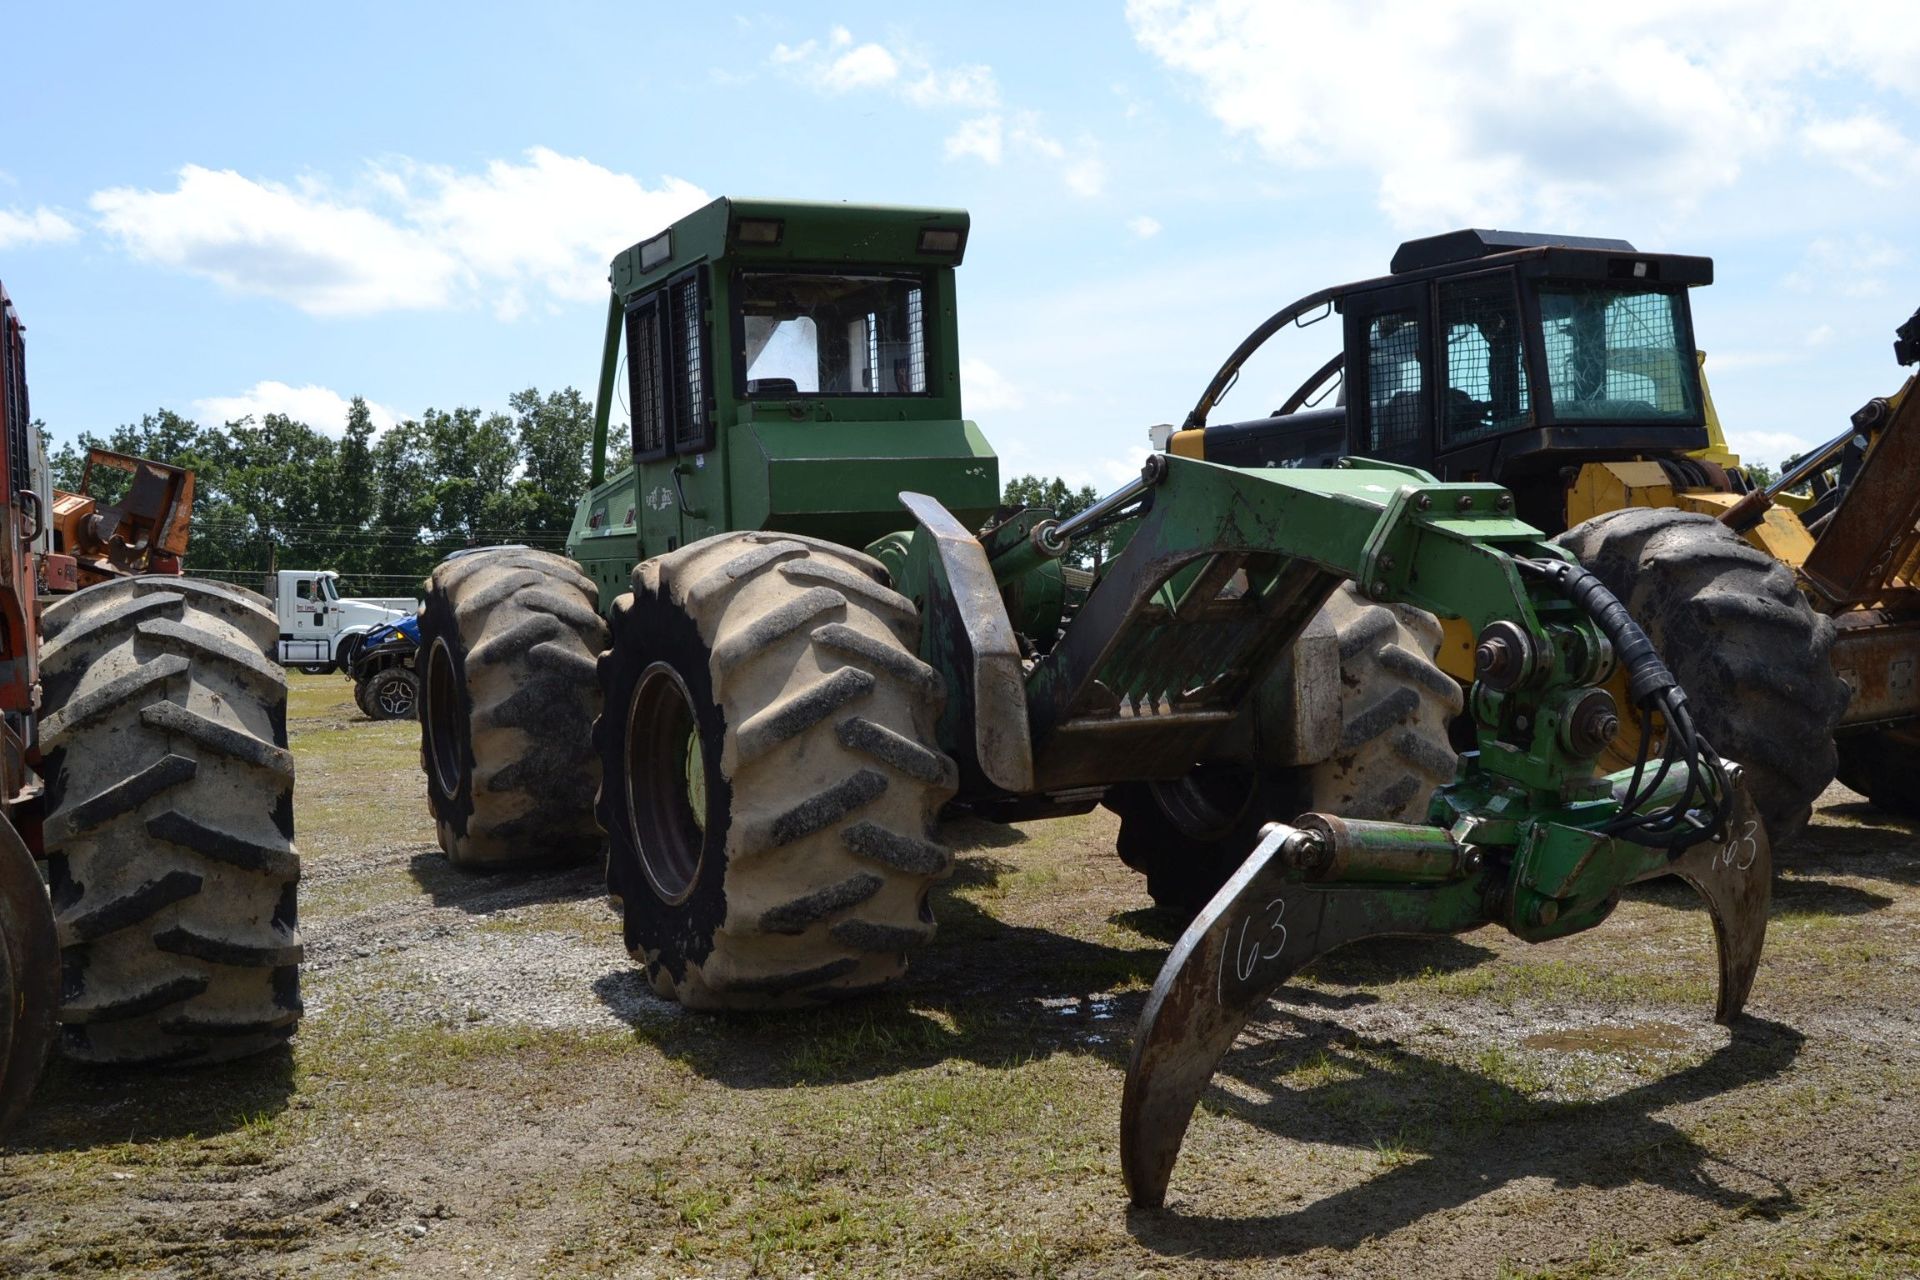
(1390, 374)
(681, 492)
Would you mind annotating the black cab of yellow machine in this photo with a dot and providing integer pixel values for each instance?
(1488, 355)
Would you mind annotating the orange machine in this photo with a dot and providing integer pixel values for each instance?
(145, 531)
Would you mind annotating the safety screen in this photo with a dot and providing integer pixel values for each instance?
(1394, 379)
(690, 386)
(667, 374)
(1618, 354)
(647, 380)
(1486, 363)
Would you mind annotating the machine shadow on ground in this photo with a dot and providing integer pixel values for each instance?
(1454, 1131)
(79, 1107)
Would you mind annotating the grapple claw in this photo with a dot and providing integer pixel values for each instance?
(1258, 931)
(1735, 877)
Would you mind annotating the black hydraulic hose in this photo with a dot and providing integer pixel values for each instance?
(1652, 688)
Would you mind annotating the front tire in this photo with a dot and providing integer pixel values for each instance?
(508, 643)
(1187, 837)
(1731, 625)
(169, 828)
(770, 773)
(392, 694)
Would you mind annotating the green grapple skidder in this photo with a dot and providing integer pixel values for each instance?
(797, 626)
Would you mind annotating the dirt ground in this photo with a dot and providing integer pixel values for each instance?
(483, 1085)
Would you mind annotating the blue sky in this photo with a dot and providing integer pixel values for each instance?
(224, 209)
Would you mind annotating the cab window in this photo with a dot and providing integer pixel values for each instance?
(821, 333)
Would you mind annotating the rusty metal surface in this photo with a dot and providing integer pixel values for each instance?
(1736, 881)
(1875, 653)
(29, 975)
(1873, 530)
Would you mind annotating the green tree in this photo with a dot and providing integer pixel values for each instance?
(552, 435)
(1055, 495)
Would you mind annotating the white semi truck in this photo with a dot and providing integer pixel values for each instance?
(319, 630)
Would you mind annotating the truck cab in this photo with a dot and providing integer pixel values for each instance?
(319, 628)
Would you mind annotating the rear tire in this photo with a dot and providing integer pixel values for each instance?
(770, 773)
(508, 645)
(1884, 766)
(169, 828)
(1733, 628)
(1189, 836)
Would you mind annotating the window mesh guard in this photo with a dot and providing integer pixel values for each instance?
(1486, 371)
(1394, 381)
(646, 382)
(1616, 353)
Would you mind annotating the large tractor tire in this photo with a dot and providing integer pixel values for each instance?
(1730, 624)
(169, 822)
(29, 975)
(1884, 766)
(508, 645)
(770, 774)
(1187, 837)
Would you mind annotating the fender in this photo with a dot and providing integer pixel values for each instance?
(965, 633)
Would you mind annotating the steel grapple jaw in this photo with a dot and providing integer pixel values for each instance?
(1323, 883)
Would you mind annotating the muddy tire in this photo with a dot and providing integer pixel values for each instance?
(391, 694)
(169, 828)
(360, 698)
(770, 771)
(1884, 766)
(508, 645)
(1730, 624)
(1187, 837)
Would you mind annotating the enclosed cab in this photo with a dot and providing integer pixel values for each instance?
(784, 366)
(1491, 355)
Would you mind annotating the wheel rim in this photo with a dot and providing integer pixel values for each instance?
(441, 721)
(667, 801)
(1208, 802)
(396, 698)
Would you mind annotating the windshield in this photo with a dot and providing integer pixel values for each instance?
(329, 591)
(1618, 354)
(813, 333)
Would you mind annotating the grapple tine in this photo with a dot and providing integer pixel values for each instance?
(1735, 877)
(1258, 931)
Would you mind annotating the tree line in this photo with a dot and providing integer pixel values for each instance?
(384, 508)
(381, 508)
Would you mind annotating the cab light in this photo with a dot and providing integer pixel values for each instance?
(940, 240)
(761, 231)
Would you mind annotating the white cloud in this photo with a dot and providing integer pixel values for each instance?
(986, 390)
(409, 236)
(839, 65)
(991, 138)
(1867, 146)
(1492, 112)
(1853, 266)
(979, 137)
(41, 226)
(321, 408)
(1770, 448)
(1144, 226)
